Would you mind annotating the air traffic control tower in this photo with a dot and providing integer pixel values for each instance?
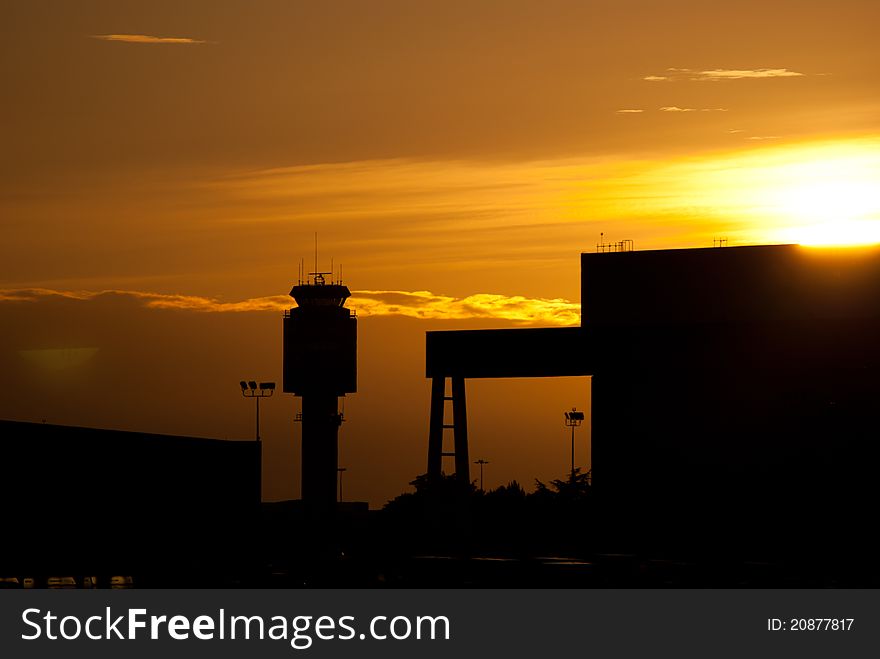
(320, 365)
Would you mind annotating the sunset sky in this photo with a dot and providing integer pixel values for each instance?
(165, 166)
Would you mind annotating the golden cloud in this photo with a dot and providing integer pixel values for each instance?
(723, 74)
(675, 108)
(739, 74)
(146, 38)
(427, 305)
(413, 304)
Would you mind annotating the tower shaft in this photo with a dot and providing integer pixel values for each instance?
(320, 450)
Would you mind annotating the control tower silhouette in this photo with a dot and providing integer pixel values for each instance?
(320, 365)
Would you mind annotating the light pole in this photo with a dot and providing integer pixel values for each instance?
(481, 462)
(573, 420)
(341, 470)
(250, 389)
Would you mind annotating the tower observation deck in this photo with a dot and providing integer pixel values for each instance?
(320, 365)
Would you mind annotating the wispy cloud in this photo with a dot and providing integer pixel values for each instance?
(146, 38)
(672, 74)
(675, 108)
(739, 74)
(764, 137)
(35, 294)
(458, 220)
(671, 108)
(414, 304)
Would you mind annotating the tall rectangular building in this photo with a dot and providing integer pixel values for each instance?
(734, 397)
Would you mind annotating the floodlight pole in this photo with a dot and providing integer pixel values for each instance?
(481, 462)
(573, 419)
(250, 389)
(341, 470)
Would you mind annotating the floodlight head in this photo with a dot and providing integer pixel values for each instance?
(267, 386)
(574, 418)
(243, 385)
(252, 385)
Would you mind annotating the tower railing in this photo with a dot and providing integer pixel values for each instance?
(619, 246)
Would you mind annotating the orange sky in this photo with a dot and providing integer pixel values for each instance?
(454, 156)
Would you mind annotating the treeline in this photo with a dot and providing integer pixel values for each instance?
(446, 517)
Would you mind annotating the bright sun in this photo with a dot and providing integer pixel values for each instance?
(832, 198)
(811, 194)
(833, 203)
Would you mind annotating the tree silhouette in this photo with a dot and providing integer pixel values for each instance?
(445, 515)
(575, 488)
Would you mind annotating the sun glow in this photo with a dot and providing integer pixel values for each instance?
(832, 202)
(811, 194)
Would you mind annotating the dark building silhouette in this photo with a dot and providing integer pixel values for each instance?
(320, 365)
(170, 510)
(734, 396)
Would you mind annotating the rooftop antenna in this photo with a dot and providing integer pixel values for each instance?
(331, 269)
(316, 251)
